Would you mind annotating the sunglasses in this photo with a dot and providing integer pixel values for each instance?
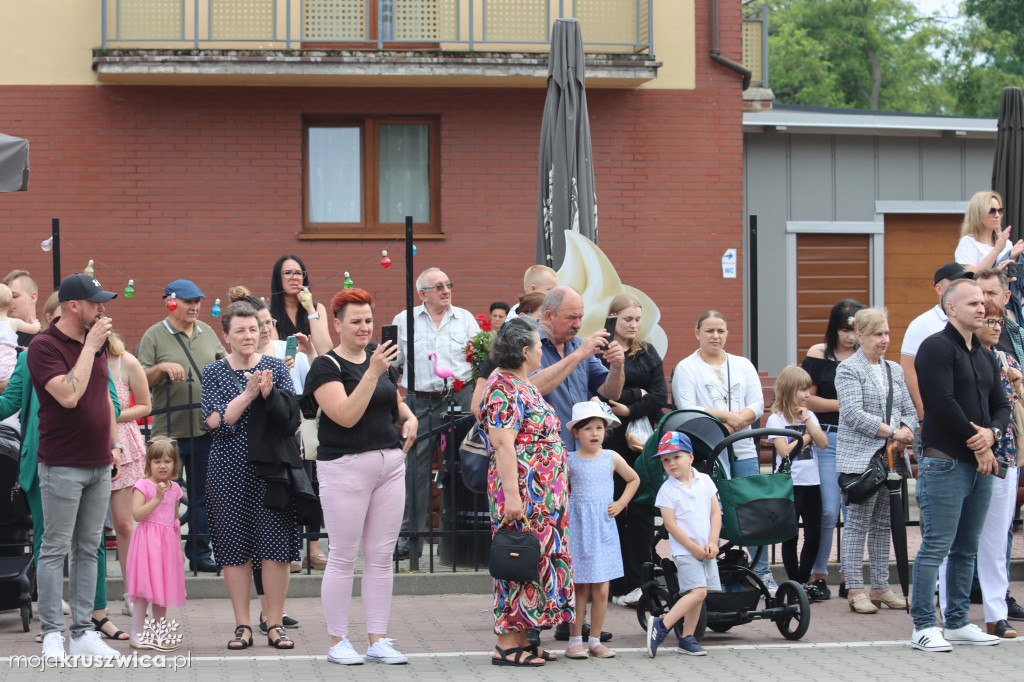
(997, 211)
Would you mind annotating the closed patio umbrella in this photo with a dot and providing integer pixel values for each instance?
(13, 164)
(1008, 167)
(566, 197)
(898, 525)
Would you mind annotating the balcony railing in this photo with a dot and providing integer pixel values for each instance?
(454, 25)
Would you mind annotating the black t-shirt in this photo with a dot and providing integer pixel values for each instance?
(375, 430)
(823, 375)
(1004, 344)
(24, 338)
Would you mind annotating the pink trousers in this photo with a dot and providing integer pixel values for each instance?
(363, 498)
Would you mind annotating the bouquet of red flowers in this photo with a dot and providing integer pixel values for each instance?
(479, 346)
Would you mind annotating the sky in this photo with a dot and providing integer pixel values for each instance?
(948, 7)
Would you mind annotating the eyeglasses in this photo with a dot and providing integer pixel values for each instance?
(447, 285)
(288, 274)
(269, 323)
(996, 211)
(994, 322)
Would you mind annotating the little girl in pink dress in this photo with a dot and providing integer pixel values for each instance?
(156, 562)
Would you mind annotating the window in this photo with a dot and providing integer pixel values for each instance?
(361, 177)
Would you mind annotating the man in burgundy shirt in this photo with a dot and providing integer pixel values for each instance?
(77, 449)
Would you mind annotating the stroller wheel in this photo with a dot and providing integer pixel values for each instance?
(26, 617)
(794, 623)
(655, 602)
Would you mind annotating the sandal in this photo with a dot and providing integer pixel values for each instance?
(240, 640)
(282, 641)
(39, 638)
(99, 624)
(519, 657)
(535, 650)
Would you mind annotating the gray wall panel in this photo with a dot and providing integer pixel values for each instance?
(810, 167)
(899, 169)
(941, 168)
(855, 177)
(979, 155)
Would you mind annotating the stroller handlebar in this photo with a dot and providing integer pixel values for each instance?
(756, 433)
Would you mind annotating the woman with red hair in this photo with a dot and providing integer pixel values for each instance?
(365, 430)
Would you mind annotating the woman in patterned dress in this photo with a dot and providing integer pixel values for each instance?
(527, 485)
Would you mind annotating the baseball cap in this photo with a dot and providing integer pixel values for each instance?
(82, 287)
(951, 271)
(673, 441)
(184, 290)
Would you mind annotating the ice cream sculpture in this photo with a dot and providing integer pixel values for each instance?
(587, 270)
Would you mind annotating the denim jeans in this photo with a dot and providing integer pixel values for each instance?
(195, 460)
(954, 500)
(74, 504)
(742, 469)
(831, 502)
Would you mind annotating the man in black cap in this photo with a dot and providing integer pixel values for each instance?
(78, 456)
(174, 352)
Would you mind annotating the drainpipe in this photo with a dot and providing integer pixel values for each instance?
(716, 51)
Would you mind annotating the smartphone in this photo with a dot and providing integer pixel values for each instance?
(1001, 471)
(1013, 270)
(113, 472)
(609, 326)
(291, 346)
(389, 332)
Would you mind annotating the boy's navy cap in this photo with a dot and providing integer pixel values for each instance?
(82, 287)
(673, 441)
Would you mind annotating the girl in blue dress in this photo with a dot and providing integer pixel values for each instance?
(596, 558)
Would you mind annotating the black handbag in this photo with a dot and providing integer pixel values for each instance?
(474, 459)
(515, 555)
(19, 501)
(858, 488)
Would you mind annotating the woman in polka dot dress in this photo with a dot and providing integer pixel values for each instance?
(596, 558)
(241, 528)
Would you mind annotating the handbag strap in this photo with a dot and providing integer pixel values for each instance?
(231, 373)
(888, 399)
(188, 355)
(319, 410)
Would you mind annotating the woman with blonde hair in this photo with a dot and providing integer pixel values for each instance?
(983, 241)
(867, 384)
(130, 380)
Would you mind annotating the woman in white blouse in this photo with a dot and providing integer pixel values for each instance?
(727, 387)
(983, 241)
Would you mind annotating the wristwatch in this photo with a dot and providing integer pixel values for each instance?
(313, 316)
(118, 446)
(997, 433)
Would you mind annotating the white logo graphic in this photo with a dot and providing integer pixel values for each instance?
(160, 635)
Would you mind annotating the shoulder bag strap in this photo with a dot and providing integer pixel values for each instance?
(888, 400)
(319, 410)
(199, 375)
(231, 373)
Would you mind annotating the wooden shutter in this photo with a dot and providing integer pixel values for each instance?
(829, 268)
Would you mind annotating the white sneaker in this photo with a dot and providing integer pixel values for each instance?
(769, 582)
(628, 599)
(970, 634)
(65, 607)
(929, 639)
(343, 653)
(53, 649)
(381, 651)
(126, 605)
(90, 643)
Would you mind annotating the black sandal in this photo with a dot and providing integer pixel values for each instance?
(520, 657)
(282, 641)
(98, 625)
(535, 650)
(240, 640)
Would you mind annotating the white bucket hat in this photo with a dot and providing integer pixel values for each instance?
(584, 411)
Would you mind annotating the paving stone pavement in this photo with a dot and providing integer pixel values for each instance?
(449, 637)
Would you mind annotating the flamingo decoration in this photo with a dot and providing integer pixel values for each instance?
(444, 373)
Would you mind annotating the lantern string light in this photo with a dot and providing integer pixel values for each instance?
(215, 310)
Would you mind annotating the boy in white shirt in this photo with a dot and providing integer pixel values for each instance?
(689, 506)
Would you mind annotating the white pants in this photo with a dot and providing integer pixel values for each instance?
(991, 560)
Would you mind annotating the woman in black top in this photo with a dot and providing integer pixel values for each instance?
(364, 431)
(821, 362)
(644, 394)
(294, 311)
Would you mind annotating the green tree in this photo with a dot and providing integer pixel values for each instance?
(978, 63)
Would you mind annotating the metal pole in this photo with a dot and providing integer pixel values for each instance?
(471, 29)
(752, 280)
(55, 245)
(288, 25)
(195, 21)
(103, 19)
(410, 374)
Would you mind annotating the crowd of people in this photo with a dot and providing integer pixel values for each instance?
(251, 422)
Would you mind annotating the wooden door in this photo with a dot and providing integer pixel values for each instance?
(915, 247)
(829, 268)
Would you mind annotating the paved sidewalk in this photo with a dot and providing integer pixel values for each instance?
(449, 637)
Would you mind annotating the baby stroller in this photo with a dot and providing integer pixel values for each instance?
(17, 572)
(743, 589)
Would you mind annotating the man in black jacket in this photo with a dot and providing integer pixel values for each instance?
(967, 414)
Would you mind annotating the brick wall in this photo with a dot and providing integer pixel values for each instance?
(206, 183)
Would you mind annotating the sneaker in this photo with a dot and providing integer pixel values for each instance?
(90, 643)
(1014, 611)
(381, 651)
(656, 634)
(126, 605)
(688, 645)
(822, 588)
(970, 634)
(769, 582)
(629, 599)
(53, 649)
(929, 639)
(342, 653)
